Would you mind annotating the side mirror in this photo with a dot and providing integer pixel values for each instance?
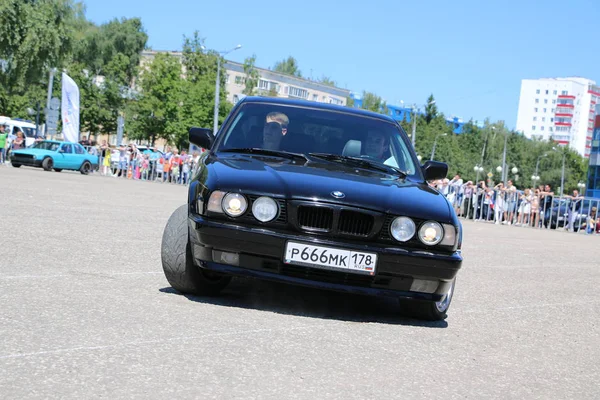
(434, 170)
(202, 137)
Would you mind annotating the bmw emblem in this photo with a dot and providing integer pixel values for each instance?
(337, 194)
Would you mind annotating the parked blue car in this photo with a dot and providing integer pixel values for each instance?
(55, 155)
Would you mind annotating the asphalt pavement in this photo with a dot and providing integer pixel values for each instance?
(85, 312)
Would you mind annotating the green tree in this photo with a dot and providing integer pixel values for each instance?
(288, 66)
(156, 113)
(431, 110)
(34, 35)
(325, 80)
(99, 45)
(252, 75)
(372, 102)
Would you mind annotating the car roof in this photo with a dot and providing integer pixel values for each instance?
(315, 105)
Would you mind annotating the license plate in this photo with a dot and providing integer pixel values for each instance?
(330, 258)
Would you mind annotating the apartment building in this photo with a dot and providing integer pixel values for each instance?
(281, 85)
(559, 109)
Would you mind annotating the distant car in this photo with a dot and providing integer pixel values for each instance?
(317, 195)
(55, 155)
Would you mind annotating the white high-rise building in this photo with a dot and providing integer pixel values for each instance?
(561, 109)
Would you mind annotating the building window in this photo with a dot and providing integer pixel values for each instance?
(269, 85)
(564, 92)
(550, 129)
(533, 128)
(535, 118)
(333, 100)
(239, 80)
(227, 78)
(551, 119)
(537, 91)
(554, 101)
(298, 92)
(552, 111)
(555, 92)
(545, 109)
(315, 97)
(546, 91)
(542, 128)
(535, 110)
(543, 119)
(545, 101)
(235, 98)
(537, 101)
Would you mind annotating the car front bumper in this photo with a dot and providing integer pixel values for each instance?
(26, 161)
(261, 252)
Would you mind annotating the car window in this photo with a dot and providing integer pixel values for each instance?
(67, 149)
(43, 145)
(78, 149)
(307, 130)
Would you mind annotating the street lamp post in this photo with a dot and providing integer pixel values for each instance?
(218, 87)
(537, 164)
(562, 175)
(414, 122)
(435, 143)
(504, 169)
(477, 169)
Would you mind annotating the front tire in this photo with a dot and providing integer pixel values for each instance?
(178, 262)
(57, 169)
(86, 167)
(16, 165)
(428, 310)
(48, 164)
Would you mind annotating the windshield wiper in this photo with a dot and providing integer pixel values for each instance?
(266, 152)
(363, 162)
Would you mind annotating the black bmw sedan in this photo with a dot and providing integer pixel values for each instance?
(318, 195)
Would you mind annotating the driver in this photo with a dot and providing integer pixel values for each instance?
(274, 130)
(376, 145)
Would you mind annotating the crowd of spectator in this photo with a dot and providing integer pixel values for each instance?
(538, 207)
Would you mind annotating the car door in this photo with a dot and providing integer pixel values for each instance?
(66, 159)
(81, 155)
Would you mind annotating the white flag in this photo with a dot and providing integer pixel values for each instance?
(70, 109)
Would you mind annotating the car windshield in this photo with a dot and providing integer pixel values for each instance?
(318, 133)
(52, 146)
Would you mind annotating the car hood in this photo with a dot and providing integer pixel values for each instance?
(34, 152)
(317, 180)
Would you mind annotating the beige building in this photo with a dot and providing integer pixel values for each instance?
(281, 85)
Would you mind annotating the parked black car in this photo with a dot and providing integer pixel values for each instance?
(318, 195)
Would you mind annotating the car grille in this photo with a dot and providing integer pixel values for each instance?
(327, 276)
(22, 157)
(315, 218)
(355, 223)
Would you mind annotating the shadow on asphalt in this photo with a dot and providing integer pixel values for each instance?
(308, 302)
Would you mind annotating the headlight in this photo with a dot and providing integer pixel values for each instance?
(265, 209)
(431, 233)
(402, 229)
(214, 202)
(234, 204)
(450, 235)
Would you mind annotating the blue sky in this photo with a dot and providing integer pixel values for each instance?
(471, 54)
